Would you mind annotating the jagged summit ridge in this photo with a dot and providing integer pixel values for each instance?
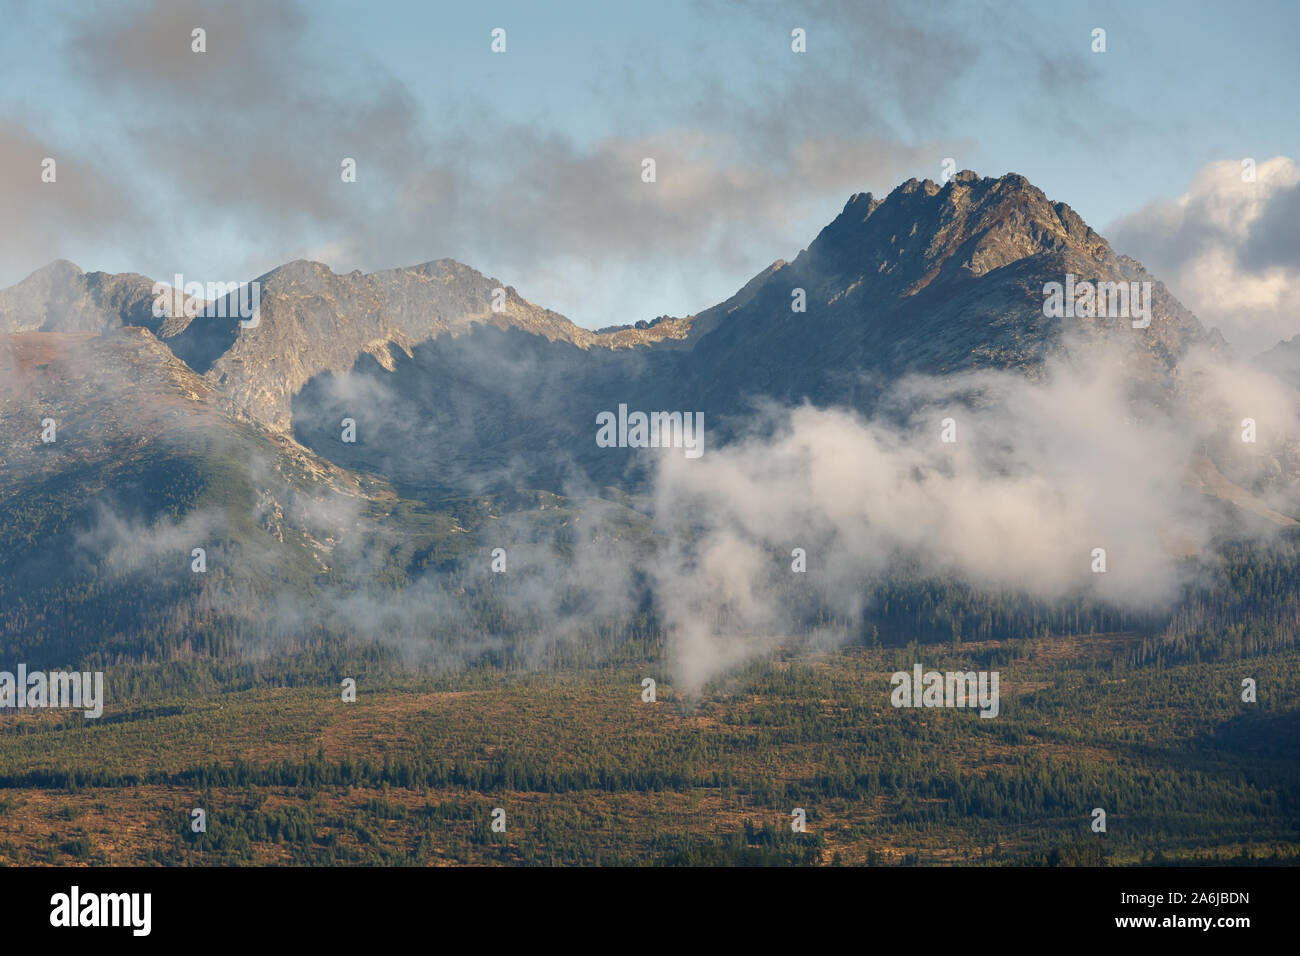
(932, 277)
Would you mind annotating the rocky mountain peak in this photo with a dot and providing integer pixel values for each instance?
(60, 297)
(939, 278)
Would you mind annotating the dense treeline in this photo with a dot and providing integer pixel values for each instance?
(1177, 760)
(1248, 605)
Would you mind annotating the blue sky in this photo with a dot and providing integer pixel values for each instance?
(526, 165)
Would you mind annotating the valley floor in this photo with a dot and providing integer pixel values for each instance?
(588, 773)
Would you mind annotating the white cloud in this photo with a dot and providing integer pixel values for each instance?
(1227, 249)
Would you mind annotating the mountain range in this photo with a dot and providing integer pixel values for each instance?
(473, 406)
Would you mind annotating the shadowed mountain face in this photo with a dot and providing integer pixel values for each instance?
(489, 410)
